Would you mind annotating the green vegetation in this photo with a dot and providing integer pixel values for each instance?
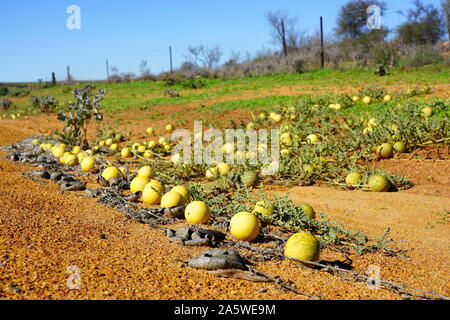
(150, 95)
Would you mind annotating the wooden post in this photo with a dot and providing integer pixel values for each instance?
(107, 69)
(171, 62)
(283, 38)
(69, 78)
(322, 53)
(53, 79)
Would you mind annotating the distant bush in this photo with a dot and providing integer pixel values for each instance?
(3, 91)
(45, 103)
(384, 53)
(178, 79)
(20, 93)
(421, 56)
(5, 104)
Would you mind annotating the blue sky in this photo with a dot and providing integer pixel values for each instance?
(36, 41)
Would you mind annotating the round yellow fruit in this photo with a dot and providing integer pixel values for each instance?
(367, 100)
(426, 112)
(126, 153)
(264, 208)
(141, 148)
(168, 148)
(183, 191)
(244, 226)
(385, 150)
(81, 156)
(151, 195)
(76, 150)
(35, 142)
(110, 172)
(102, 143)
(62, 159)
(171, 199)
(286, 139)
(114, 147)
(87, 164)
(223, 168)
(212, 173)
(378, 183)
(277, 118)
(57, 152)
(387, 98)
(146, 172)
(109, 142)
(138, 184)
(308, 169)
(170, 128)
(308, 210)
(135, 146)
(157, 185)
(118, 137)
(197, 212)
(71, 160)
(353, 179)
(148, 155)
(355, 98)
(152, 144)
(312, 138)
(285, 152)
(150, 131)
(303, 246)
(400, 147)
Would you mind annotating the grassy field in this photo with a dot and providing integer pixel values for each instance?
(262, 91)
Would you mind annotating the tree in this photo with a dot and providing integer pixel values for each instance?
(283, 30)
(352, 18)
(446, 10)
(424, 25)
(234, 59)
(203, 56)
(144, 69)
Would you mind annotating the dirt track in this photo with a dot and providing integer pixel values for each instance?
(42, 232)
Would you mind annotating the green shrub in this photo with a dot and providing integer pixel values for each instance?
(80, 114)
(421, 56)
(3, 91)
(5, 104)
(45, 103)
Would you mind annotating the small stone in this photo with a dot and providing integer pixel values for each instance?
(184, 233)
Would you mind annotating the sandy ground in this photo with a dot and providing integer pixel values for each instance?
(44, 231)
